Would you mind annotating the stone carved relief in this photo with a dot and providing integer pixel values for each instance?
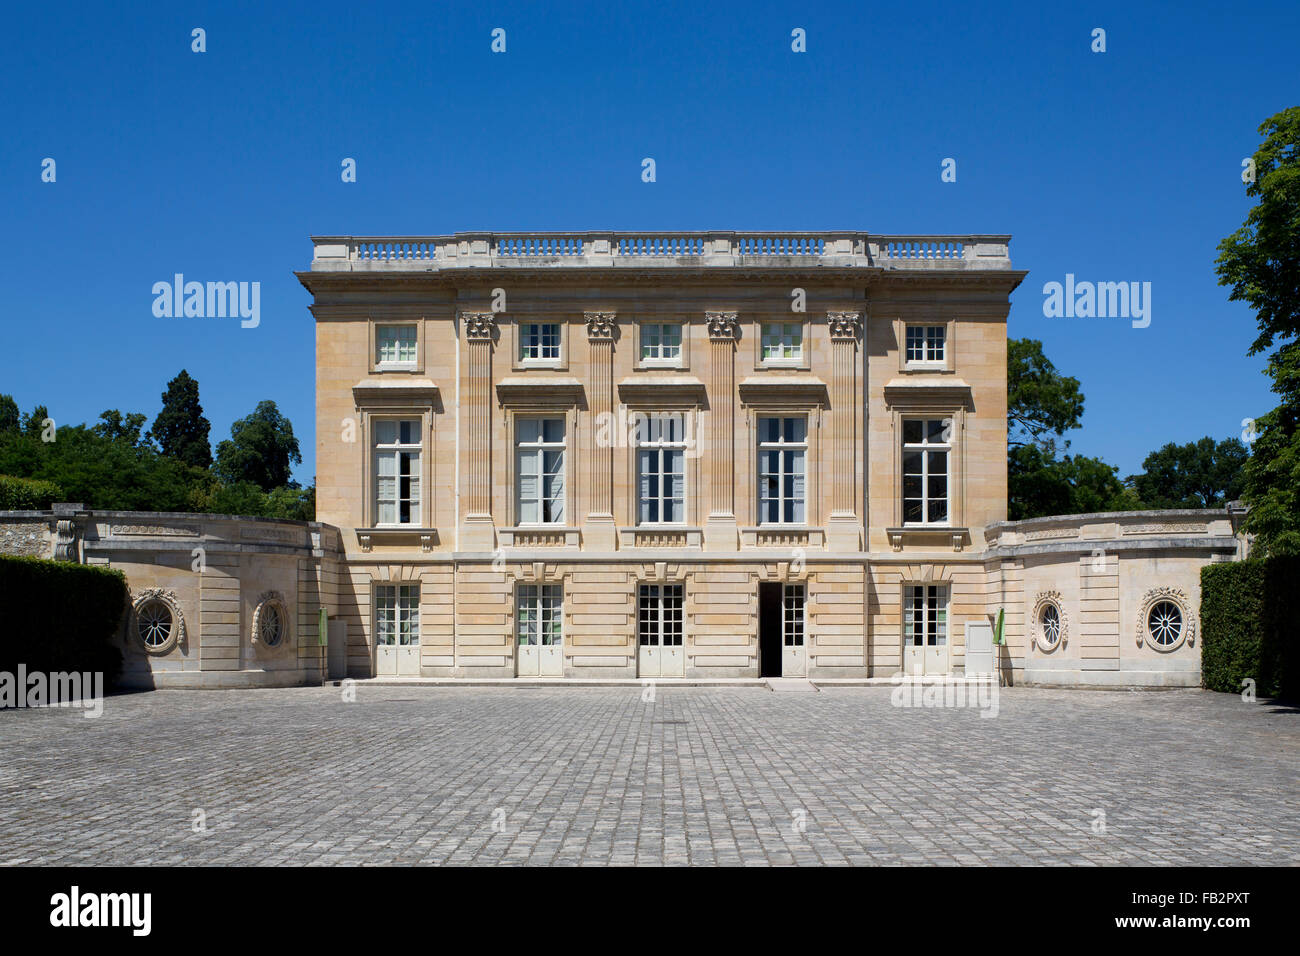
(844, 325)
(723, 326)
(479, 325)
(600, 325)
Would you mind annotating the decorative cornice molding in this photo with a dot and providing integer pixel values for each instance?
(844, 326)
(600, 325)
(723, 326)
(480, 326)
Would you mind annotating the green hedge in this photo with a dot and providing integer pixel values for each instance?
(1248, 615)
(59, 616)
(27, 494)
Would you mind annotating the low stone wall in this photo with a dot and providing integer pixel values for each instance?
(238, 598)
(1082, 594)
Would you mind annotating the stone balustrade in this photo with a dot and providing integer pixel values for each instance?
(655, 249)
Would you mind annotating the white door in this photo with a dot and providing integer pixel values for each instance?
(539, 637)
(659, 631)
(979, 648)
(397, 630)
(794, 661)
(925, 629)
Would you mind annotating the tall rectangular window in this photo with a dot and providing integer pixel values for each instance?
(397, 471)
(540, 450)
(782, 465)
(926, 446)
(782, 341)
(925, 615)
(661, 469)
(397, 615)
(659, 615)
(926, 344)
(661, 342)
(539, 342)
(539, 614)
(395, 344)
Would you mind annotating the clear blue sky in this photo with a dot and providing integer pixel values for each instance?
(1116, 166)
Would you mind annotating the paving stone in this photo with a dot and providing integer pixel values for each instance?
(707, 776)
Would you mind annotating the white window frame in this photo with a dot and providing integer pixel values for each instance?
(397, 615)
(931, 344)
(935, 619)
(788, 451)
(394, 451)
(791, 349)
(661, 617)
(539, 614)
(650, 440)
(542, 346)
(794, 603)
(925, 447)
(660, 357)
(401, 341)
(538, 450)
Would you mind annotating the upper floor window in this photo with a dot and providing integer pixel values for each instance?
(661, 469)
(926, 344)
(926, 446)
(539, 342)
(540, 450)
(782, 341)
(661, 342)
(397, 471)
(782, 466)
(395, 344)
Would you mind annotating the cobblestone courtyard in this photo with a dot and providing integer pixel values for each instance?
(700, 775)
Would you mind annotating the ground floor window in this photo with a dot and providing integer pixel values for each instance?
(540, 613)
(659, 615)
(397, 615)
(925, 615)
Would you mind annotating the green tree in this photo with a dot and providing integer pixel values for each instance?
(180, 428)
(261, 449)
(1040, 484)
(1260, 262)
(1041, 402)
(117, 427)
(34, 421)
(9, 417)
(1200, 474)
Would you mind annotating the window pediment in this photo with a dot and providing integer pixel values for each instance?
(525, 391)
(928, 390)
(783, 390)
(408, 392)
(661, 390)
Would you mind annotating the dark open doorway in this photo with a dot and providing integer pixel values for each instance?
(769, 630)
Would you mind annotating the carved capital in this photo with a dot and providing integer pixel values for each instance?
(722, 326)
(479, 326)
(600, 325)
(844, 326)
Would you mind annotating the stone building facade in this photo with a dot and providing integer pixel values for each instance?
(704, 455)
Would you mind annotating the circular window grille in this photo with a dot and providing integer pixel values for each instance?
(1049, 622)
(270, 626)
(154, 624)
(1165, 623)
(270, 620)
(157, 620)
